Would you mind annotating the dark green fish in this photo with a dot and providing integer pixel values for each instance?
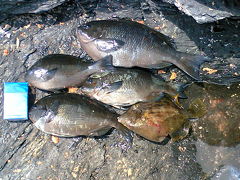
(59, 71)
(124, 87)
(70, 115)
(133, 44)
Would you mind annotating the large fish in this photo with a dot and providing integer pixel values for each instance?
(70, 115)
(156, 120)
(133, 44)
(124, 87)
(59, 71)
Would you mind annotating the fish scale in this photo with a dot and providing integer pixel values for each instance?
(58, 71)
(132, 44)
(124, 87)
(74, 115)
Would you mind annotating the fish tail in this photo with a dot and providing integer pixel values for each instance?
(197, 108)
(104, 64)
(180, 88)
(190, 64)
(125, 132)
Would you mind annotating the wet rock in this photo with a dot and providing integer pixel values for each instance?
(204, 11)
(218, 162)
(9, 8)
(220, 126)
(27, 153)
(217, 133)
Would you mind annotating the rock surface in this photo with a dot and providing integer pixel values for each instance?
(218, 131)
(13, 7)
(27, 153)
(204, 11)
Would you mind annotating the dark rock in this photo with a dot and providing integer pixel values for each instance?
(218, 162)
(13, 7)
(27, 153)
(204, 11)
(217, 132)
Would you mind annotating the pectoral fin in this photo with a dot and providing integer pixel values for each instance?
(113, 86)
(108, 45)
(49, 74)
(181, 133)
(51, 113)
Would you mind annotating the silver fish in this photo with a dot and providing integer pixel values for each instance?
(124, 87)
(70, 115)
(59, 71)
(133, 44)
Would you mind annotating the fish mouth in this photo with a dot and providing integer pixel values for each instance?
(83, 36)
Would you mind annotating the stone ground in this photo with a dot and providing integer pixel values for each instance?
(27, 153)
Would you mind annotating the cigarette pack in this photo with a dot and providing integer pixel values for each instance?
(15, 105)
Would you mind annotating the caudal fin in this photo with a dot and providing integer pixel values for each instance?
(104, 64)
(197, 108)
(125, 132)
(190, 64)
(180, 88)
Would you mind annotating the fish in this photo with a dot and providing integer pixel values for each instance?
(59, 71)
(124, 87)
(134, 44)
(157, 120)
(71, 115)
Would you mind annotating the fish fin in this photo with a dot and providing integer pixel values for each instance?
(113, 86)
(180, 87)
(55, 105)
(125, 132)
(51, 113)
(100, 74)
(197, 108)
(174, 99)
(75, 142)
(99, 132)
(104, 64)
(166, 40)
(181, 133)
(190, 64)
(108, 45)
(49, 74)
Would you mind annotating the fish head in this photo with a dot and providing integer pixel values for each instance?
(39, 74)
(40, 115)
(89, 34)
(90, 31)
(85, 33)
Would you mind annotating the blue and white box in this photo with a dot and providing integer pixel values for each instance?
(15, 101)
